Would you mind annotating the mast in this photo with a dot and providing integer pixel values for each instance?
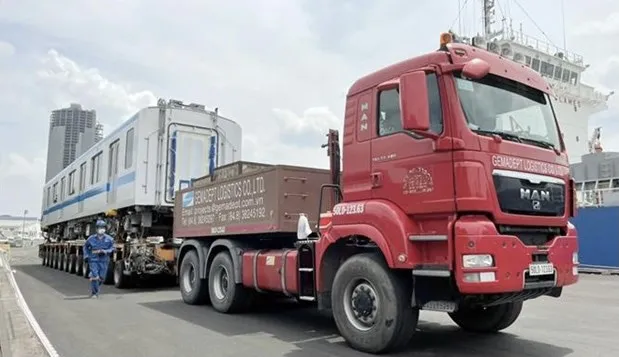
(488, 18)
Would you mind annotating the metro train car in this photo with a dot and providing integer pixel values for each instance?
(131, 176)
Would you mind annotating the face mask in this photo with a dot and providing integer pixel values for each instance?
(101, 230)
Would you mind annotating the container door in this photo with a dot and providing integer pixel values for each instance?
(112, 180)
(192, 154)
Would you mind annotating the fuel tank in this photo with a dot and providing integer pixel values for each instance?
(271, 270)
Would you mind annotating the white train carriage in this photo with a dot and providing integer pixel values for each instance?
(134, 172)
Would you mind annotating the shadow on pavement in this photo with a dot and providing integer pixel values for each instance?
(75, 287)
(312, 331)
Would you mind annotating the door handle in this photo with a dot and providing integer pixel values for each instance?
(377, 179)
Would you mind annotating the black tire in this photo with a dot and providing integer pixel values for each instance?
(86, 269)
(50, 259)
(487, 320)
(44, 259)
(109, 273)
(80, 266)
(193, 289)
(120, 280)
(225, 295)
(67, 263)
(55, 260)
(61, 261)
(72, 264)
(395, 320)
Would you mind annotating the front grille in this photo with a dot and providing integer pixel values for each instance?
(517, 195)
(530, 235)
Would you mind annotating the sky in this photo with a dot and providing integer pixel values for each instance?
(280, 68)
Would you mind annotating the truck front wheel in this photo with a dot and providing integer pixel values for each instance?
(226, 296)
(193, 289)
(371, 305)
(489, 319)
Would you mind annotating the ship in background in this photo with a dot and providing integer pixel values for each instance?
(574, 102)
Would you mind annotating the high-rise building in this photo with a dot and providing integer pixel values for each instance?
(72, 131)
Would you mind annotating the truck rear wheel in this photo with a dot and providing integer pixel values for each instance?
(109, 273)
(80, 265)
(489, 319)
(193, 289)
(371, 305)
(225, 295)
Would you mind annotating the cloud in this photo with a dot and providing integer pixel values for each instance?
(600, 27)
(280, 68)
(6, 49)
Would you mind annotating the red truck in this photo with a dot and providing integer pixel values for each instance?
(454, 195)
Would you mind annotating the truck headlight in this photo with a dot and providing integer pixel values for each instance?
(477, 261)
(575, 258)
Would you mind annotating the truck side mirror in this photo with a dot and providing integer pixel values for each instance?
(414, 102)
(476, 69)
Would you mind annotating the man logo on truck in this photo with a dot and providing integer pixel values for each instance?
(535, 196)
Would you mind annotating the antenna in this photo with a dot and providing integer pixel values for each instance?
(563, 19)
(488, 17)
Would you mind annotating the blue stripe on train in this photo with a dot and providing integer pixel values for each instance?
(120, 181)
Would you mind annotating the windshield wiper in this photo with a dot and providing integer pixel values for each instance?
(504, 135)
(541, 143)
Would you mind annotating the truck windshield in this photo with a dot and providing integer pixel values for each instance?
(512, 110)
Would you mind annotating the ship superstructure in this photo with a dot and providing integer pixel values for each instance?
(574, 102)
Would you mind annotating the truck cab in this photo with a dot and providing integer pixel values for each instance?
(454, 169)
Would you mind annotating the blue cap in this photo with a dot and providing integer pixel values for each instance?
(100, 223)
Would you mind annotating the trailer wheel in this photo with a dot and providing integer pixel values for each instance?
(121, 281)
(109, 273)
(487, 320)
(44, 258)
(371, 305)
(80, 265)
(226, 296)
(55, 260)
(62, 261)
(72, 263)
(193, 289)
(67, 263)
(86, 269)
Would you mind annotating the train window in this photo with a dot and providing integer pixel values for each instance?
(82, 177)
(55, 193)
(95, 168)
(129, 149)
(63, 187)
(49, 197)
(72, 182)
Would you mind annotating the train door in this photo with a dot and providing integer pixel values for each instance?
(80, 188)
(192, 153)
(112, 176)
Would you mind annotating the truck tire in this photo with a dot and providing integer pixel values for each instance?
(72, 263)
(55, 259)
(44, 259)
(225, 295)
(120, 279)
(109, 273)
(193, 289)
(371, 305)
(487, 320)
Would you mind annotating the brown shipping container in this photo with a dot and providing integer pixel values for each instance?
(267, 200)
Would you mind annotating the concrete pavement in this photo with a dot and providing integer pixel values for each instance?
(157, 323)
(17, 337)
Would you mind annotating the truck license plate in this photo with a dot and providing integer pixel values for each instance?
(541, 269)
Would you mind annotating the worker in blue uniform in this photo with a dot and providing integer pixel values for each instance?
(97, 250)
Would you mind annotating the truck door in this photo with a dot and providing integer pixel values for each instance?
(406, 168)
(112, 179)
(192, 151)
